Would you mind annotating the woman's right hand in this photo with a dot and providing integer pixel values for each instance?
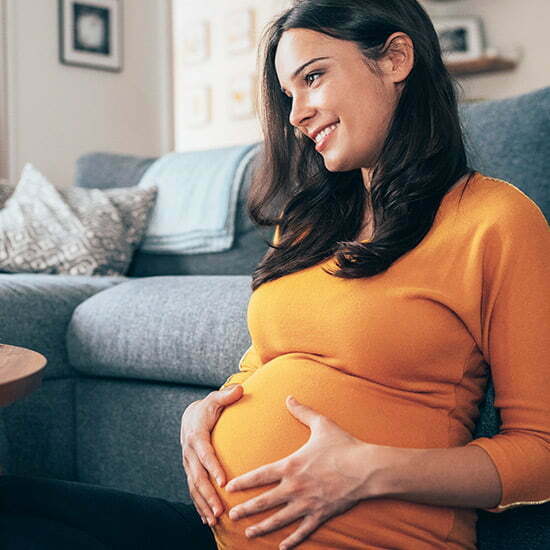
(199, 459)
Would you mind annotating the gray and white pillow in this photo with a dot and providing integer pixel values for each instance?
(71, 231)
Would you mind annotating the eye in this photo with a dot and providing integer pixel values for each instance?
(310, 77)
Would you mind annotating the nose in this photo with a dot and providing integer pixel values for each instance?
(301, 111)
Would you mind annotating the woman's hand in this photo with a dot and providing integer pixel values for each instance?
(325, 477)
(198, 456)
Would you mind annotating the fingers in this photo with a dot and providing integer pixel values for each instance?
(305, 529)
(201, 506)
(207, 456)
(228, 395)
(281, 518)
(306, 415)
(203, 493)
(270, 473)
(262, 502)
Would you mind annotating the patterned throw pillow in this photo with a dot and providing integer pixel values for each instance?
(71, 231)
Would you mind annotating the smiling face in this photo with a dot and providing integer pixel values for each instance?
(337, 99)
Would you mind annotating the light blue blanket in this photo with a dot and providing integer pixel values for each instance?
(197, 200)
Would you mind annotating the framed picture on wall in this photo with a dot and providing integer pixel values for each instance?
(90, 33)
(241, 95)
(239, 30)
(195, 43)
(197, 106)
(461, 38)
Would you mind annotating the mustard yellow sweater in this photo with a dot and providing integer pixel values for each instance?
(401, 359)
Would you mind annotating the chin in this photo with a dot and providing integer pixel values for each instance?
(335, 165)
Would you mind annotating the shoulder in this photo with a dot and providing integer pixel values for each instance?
(494, 203)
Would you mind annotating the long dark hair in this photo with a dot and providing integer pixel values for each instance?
(318, 212)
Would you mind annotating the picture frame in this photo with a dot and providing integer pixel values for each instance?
(239, 30)
(90, 34)
(241, 93)
(461, 38)
(197, 103)
(195, 42)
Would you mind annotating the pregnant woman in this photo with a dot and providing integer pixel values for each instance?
(396, 279)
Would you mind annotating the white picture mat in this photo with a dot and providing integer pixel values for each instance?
(473, 29)
(70, 55)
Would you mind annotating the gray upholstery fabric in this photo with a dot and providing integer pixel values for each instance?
(174, 329)
(128, 435)
(105, 170)
(40, 432)
(510, 139)
(36, 310)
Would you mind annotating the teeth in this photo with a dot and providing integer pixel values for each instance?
(324, 132)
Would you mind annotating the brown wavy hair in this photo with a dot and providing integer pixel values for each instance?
(318, 212)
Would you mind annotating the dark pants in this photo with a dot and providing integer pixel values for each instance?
(39, 513)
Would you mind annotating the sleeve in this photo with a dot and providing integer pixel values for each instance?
(250, 361)
(515, 336)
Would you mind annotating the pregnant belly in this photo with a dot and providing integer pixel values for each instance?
(258, 429)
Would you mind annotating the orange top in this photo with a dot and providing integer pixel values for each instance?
(401, 359)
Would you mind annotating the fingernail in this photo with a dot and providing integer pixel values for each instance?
(219, 481)
(250, 532)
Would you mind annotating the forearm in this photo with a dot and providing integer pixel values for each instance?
(458, 476)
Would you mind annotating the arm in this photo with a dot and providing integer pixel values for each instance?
(513, 467)
(460, 476)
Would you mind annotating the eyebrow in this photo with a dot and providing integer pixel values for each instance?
(302, 67)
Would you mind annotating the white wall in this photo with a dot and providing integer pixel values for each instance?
(218, 71)
(517, 30)
(513, 27)
(57, 112)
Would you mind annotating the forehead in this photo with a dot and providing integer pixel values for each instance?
(297, 46)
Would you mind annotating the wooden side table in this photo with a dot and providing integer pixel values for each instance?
(21, 372)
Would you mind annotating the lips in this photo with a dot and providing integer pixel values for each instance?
(316, 134)
(322, 137)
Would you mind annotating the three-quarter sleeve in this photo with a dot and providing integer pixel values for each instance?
(515, 324)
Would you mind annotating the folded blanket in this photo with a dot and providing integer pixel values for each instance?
(197, 200)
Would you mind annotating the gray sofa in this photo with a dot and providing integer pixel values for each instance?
(126, 355)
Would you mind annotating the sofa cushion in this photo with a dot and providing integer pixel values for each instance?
(510, 139)
(72, 231)
(36, 310)
(171, 329)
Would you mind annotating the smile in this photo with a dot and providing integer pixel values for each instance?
(322, 137)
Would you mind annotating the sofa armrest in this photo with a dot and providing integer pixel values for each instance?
(37, 432)
(36, 310)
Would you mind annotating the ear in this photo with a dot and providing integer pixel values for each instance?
(398, 59)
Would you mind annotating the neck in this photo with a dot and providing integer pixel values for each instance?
(367, 177)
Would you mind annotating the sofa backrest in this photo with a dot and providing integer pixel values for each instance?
(106, 170)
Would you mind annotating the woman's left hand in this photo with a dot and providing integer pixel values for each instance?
(324, 478)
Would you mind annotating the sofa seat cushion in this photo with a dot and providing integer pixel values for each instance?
(173, 329)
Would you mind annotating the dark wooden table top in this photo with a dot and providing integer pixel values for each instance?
(21, 372)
